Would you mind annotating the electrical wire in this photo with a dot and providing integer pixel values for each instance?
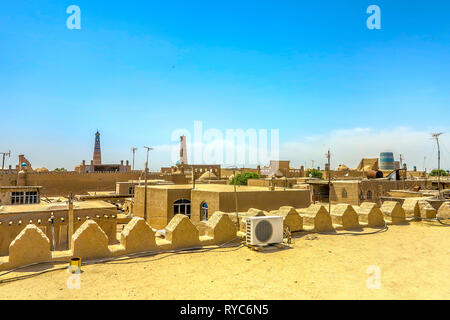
(32, 265)
(430, 219)
(119, 259)
(383, 229)
(30, 275)
(124, 260)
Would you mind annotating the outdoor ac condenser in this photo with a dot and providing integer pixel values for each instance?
(262, 231)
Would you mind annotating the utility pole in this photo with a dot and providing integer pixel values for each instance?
(134, 152)
(329, 181)
(71, 220)
(401, 164)
(236, 199)
(145, 187)
(436, 136)
(5, 154)
(403, 169)
(235, 195)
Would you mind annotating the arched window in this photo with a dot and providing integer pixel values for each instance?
(182, 206)
(204, 212)
(344, 193)
(369, 195)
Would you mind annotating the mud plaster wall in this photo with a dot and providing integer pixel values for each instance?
(63, 183)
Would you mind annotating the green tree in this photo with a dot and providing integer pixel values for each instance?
(435, 173)
(314, 173)
(241, 179)
(60, 170)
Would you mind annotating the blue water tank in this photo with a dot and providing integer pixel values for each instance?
(387, 161)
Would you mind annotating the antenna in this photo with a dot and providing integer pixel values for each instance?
(145, 186)
(436, 137)
(5, 154)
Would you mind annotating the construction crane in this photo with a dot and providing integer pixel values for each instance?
(5, 154)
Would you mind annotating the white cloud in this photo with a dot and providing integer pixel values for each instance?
(349, 146)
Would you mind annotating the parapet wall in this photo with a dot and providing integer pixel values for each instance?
(64, 183)
(90, 241)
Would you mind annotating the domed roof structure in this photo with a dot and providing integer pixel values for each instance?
(277, 174)
(43, 169)
(208, 176)
(342, 167)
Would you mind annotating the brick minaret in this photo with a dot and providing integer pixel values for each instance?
(97, 151)
(183, 150)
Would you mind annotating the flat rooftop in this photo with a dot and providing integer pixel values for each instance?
(55, 206)
(219, 188)
(315, 267)
(20, 187)
(160, 181)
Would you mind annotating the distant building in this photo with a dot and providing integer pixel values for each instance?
(387, 162)
(282, 169)
(24, 164)
(196, 169)
(96, 163)
(97, 159)
(368, 164)
(165, 201)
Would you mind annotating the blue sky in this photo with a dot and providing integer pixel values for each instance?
(138, 70)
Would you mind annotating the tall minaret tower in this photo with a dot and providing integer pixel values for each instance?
(183, 150)
(97, 151)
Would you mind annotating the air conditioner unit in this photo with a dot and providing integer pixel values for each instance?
(262, 231)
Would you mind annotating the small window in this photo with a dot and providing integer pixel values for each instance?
(204, 212)
(182, 206)
(344, 193)
(131, 190)
(24, 197)
(369, 195)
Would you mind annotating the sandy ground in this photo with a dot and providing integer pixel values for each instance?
(414, 261)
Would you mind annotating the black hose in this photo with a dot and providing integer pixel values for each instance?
(107, 260)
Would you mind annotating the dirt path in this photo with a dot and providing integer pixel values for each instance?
(414, 261)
